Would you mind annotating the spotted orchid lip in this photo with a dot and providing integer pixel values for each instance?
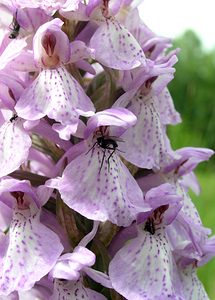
(51, 89)
(117, 49)
(113, 183)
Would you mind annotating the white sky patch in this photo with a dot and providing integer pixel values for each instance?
(171, 18)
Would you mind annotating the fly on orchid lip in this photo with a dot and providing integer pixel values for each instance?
(15, 27)
(106, 142)
(150, 226)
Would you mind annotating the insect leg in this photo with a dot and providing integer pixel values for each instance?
(103, 157)
(91, 148)
(108, 160)
(121, 151)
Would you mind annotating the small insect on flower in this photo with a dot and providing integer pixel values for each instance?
(150, 226)
(15, 27)
(106, 142)
(13, 118)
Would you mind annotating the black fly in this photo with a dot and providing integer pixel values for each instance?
(150, 226)
(107, 143)
(15, 27)
(13, 118)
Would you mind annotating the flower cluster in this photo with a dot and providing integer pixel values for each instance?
(94, 201)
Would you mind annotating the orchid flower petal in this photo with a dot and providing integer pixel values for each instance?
(30, 253)
(67, 290)
(14, 146)
(144, 268)
(115, 47)
(54, 93)
(101, 193)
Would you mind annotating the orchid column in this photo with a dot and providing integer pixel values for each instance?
(94, 201)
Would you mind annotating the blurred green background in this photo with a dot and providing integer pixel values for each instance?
(193, 92)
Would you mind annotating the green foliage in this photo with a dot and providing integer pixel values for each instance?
(193, 91)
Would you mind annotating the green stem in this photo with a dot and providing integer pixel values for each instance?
(66, 218)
